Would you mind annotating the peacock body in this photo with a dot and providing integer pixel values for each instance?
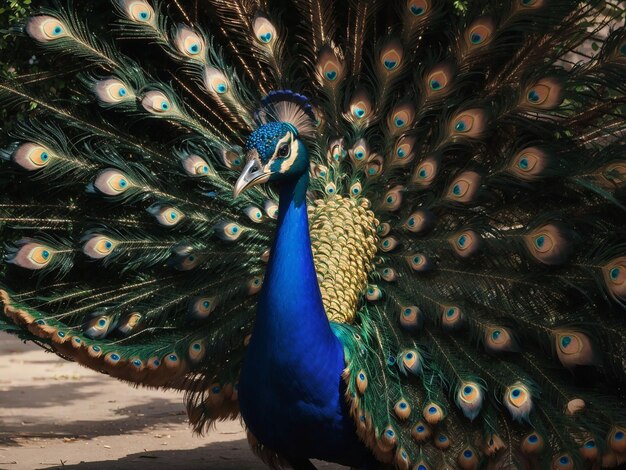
(383, 234)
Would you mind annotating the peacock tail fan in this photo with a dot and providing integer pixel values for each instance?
(467, 209)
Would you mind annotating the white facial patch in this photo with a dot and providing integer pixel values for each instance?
(286, 162)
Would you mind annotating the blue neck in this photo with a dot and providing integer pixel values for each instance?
(291, 393)
(290, 309)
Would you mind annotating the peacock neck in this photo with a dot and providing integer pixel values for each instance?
(291, 392)
(290, 309)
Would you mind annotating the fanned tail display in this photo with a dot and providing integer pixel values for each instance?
(466, 204)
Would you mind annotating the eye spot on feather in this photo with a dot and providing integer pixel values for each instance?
(532, 444)
(156, 102)
(254, 214)
(254, 285)
(419, 262)
(545, 94)
(573, 348)
(31, 255)
(437, 82)
(215, 81)
(470, 399)
(195, 165)
(112, 91)
(383, 229)
(130, 323)
(529, 164)
(388, 437)
(32, 156)
(356, 189)
(374, 167)
(468, 124)
(468, 459)
(112, 182)
(480, 33)
(464, 187)
(421, 432)
(264, 30)
(232, 159)
(97, 327)
(337, 151)
(389, 274)
(201, 307)
(360, 108)
(402, 409)
(46, 28)
(330, 189)
(391, 56)
(400, 118)
(373, 293)
(466, 244)
(418, 7)
(138, 11)
(411, 317)
(228, 231)
(550, 244)
(530, 3)
(392, 199)
(425, 172)
(617, 439)
(589, 450)
(388, 244)
(442, 442)
(403, 150)
(518, 401)
(562, 462)
(411, 362)
(452, 317)
(166, 216)
(433, 413)
(112, 358)
(419, 221)
(361, 381)
(499, 339)
(614, 275)
(189, 43)
(153, 363)
(329, 67)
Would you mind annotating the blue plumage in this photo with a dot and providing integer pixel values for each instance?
(291, 392)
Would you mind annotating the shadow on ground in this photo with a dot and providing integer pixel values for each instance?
(127, 420)
(215, 456)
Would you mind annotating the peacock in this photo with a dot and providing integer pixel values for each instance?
(387, 234)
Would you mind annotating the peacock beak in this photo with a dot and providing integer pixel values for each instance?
(252, 174)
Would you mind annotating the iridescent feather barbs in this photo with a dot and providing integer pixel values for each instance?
(463, 166)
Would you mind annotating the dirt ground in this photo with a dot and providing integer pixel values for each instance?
(57, 414)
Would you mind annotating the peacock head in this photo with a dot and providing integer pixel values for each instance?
(276, 150)
(274, 153)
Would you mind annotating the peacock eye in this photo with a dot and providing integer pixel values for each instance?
(284, 150)
(40, 255)
(538, 94)
(418, 7)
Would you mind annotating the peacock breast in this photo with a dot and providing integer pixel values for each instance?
(343, 239)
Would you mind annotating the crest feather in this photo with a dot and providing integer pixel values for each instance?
(289, 107)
